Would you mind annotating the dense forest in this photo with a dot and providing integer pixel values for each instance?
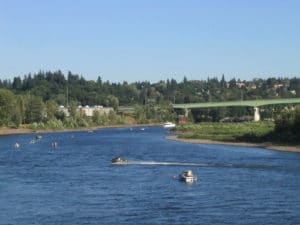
(56, 86)
(35, 98)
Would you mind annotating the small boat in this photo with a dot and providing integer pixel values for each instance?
(38, 137)
(17, 145)
(169, 125)
(118, 160)
(187, 176)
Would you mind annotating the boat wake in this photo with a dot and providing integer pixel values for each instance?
(129, 162)
(221, 165)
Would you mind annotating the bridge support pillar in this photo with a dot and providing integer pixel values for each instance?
(256, 114)
(186, 112)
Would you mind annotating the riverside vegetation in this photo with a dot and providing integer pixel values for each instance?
(285, 130)
(33, 102)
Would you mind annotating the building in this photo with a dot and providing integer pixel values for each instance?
(87, 110)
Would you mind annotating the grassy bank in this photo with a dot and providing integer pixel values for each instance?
(251, 132)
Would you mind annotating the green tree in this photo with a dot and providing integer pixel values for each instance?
(140, 115)
(19, 111)
(17, 84)
(113, 101)
(296, 125)
(51, 109)
(96, 118)
(35, 111)
(287, 125)
(6, 106)
(73, 109)
(21, 104)
(113, 118)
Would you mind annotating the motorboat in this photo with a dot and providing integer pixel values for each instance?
(36, 139)
(118, 160)
(187, 176)
(169, 125)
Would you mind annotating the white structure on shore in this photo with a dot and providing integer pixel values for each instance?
(87, 110)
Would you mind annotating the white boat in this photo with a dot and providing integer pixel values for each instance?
(17, 145)
(187, 176)
(169, 125)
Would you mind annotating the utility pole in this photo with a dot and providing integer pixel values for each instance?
(67, 97)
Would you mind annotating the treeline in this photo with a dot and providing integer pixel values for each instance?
(287, 126)
(35, 98)
(284, 130)
(34, 113)
(60, 88)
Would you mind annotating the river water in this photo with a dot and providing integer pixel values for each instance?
(75, 183)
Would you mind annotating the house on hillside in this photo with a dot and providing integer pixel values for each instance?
(277, 86)
(87, 110)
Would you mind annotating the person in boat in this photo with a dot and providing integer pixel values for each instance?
(188, 173)
(117, 160)
(54, 144)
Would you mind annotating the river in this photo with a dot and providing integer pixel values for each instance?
(75, 182)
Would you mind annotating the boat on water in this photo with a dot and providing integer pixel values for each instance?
(17, 145)
(119, 160)
(38, 137)
(187, 176)
(169, 125)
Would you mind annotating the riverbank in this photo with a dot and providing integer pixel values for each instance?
(11, 131)
(244, 144)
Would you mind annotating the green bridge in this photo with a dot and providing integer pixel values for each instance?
(248, 103)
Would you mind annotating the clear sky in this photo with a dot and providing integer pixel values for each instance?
(138, 40)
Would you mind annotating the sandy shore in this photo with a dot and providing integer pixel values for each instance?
(10, 131)
(261, 145)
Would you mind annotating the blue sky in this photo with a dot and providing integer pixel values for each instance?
(138, 40)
